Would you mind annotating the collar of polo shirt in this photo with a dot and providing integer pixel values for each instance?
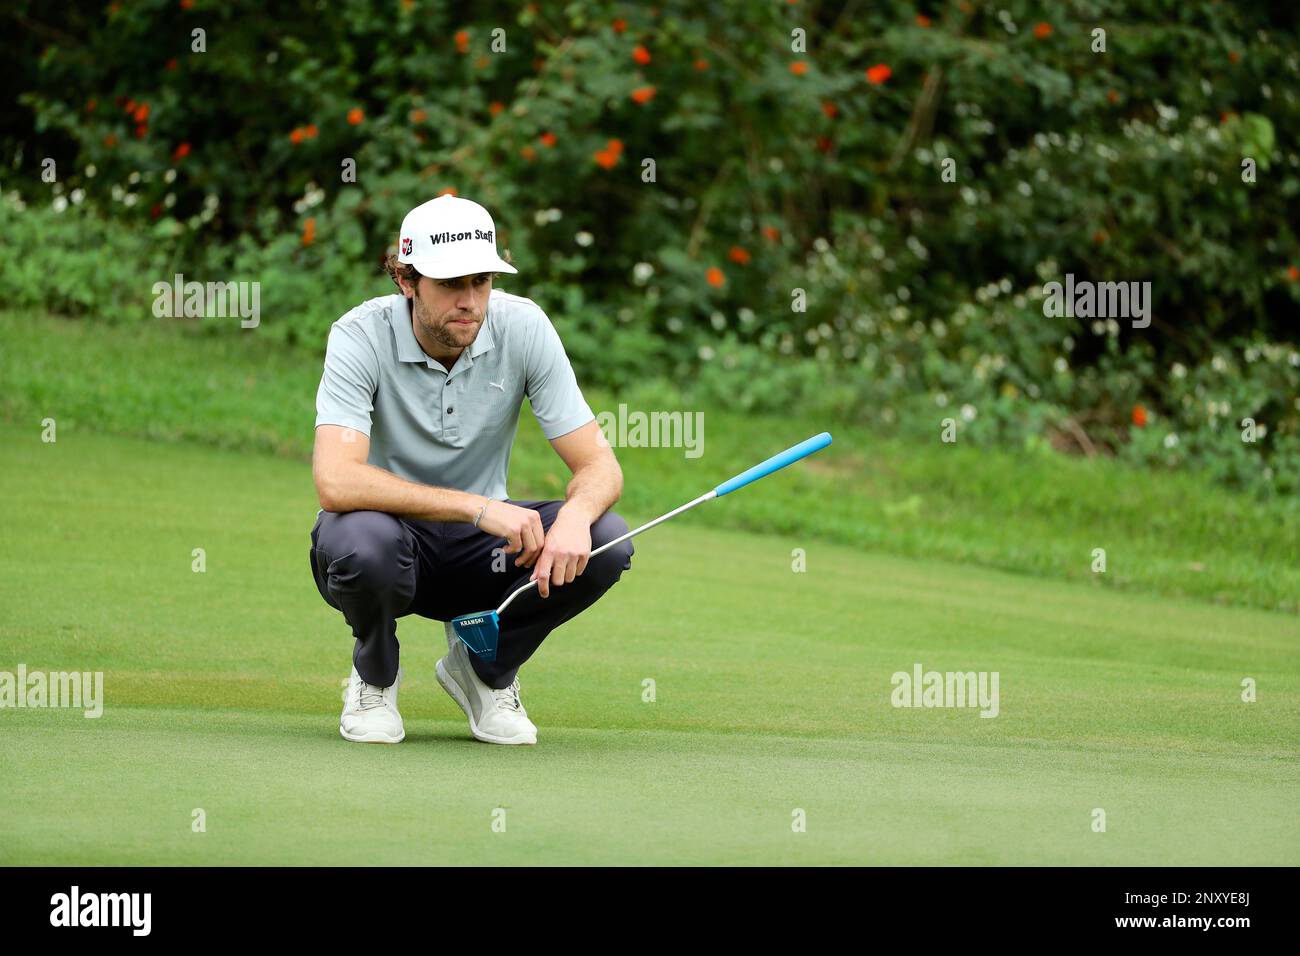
(408, 346)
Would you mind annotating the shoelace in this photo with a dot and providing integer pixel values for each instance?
(508, 697)
(371, 696)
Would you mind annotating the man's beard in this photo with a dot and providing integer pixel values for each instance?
(445, 334)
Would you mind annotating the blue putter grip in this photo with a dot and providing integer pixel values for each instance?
(775, 463)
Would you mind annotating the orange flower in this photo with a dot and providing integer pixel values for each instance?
(418, 116)
(141, 113)
(528, 153)
(798, 67)
(548, 139)
(297, 135)
(641, 54)
(449, 191)
(738, 255)
(141, 131)
(310, 131)
(129, 106)
(608, 157)
(91, 105)
(496, 107)
(643, 94)
(1293, 273)
(1100, 236)
(1233, 56)
(619, 25)
(181, 151)
(922, 21)
(171, 64)
(1139, 416)
(701, 64)
(309, 231)
(187, 4)
(482, 61)
(825, 143)
(771, 233)
(830, 109)
(110, 140)
(1112, 96)
(715, 277)
(462, 41)
(879, 73)
(1042, 29)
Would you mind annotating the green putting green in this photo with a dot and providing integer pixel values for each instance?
(772, 695)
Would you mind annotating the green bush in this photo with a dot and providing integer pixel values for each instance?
(863, 226)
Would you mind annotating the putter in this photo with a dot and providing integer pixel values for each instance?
(479, 631)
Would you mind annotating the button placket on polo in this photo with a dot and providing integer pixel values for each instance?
(450, 420)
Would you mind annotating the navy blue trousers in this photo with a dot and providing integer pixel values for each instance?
(376, 567)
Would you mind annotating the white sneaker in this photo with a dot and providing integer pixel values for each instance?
(496, 716)
(370, 713)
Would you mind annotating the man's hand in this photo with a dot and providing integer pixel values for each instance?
(521, 527)
(567, 550)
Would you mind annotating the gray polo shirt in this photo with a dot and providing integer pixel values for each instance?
(448, 429)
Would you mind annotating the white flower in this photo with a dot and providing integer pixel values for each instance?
(642, 272)
(1171, 440)
(1178, 370)
(60, 203)
(968, 412)
(941, 399)
(1218, 364)
(583, 238)
(77, 195)
(1060, 364)
(90, 171)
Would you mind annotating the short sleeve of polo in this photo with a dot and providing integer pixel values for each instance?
(551, 385)
(347, 387)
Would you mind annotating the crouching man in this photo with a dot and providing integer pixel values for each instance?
(415, 417)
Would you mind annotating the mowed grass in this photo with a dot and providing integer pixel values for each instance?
(910, 495)
(772, 695)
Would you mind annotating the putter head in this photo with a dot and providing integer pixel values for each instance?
(478, 632)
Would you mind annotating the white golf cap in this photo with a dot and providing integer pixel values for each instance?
(449, 237)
